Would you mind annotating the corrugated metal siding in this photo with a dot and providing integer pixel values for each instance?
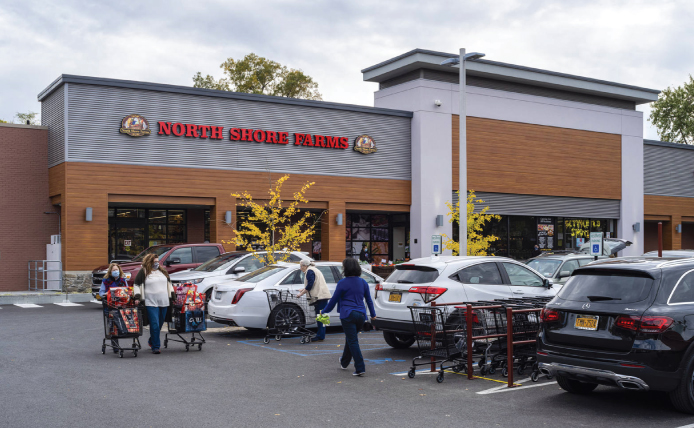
(504, 85)
(539, 205)
(53, 116)
(668, 171)
(95, 114)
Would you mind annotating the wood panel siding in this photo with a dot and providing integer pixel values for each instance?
(671, 210)
(82, 185)
(511, 157)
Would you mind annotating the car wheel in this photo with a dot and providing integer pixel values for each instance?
(286, 315)
(683, 397)
(574, 386)
(398, 341)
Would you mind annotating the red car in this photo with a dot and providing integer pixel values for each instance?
(173, 257)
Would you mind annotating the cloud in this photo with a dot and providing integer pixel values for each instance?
(641, 43)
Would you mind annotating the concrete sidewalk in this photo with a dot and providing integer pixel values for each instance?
(39, 297)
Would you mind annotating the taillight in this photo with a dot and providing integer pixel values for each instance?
(628, 322)
(549, 315)
(239, 294)
(655, 324)
(428, 293)
(647, 324)
(379, 287)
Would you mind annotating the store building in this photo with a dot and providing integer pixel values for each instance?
(133, 164)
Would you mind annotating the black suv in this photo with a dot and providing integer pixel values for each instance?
(627, 323)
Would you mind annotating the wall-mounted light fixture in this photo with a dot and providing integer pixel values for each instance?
(637, 227)
(227, 217)
(88, 214)
(339, 219)
(439, 220)
(678, 228)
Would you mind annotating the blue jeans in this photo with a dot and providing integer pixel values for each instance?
(156, 316)
(352, 325)
(319, 306)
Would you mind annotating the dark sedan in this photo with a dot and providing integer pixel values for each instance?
(627, 323)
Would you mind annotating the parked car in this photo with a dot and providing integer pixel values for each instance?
(243, 302)
(173, 257)
(227, 266)
(559, 267)
(449, 279)
(625, 323)
(672, 254)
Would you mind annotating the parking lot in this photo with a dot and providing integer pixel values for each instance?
(53, 374)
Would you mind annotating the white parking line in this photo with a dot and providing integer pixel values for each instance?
(687, 426)
(68, 304)
(506, 388)
(27, 305)
(95, 301)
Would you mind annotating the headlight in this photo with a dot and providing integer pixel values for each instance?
(195, 281)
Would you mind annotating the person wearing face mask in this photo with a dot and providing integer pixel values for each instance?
(153, 287)
(114, 278)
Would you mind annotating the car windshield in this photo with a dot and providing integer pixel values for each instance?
(261, 274)
(151, 250)
(218, 263)
(547, 267)
(606, 287)
(413, 275)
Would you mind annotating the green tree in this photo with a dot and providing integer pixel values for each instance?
(3, 121)
(22, 118)
(673, 113)
(257, 75)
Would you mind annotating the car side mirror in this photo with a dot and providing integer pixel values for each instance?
(239, 270)
(548, 283)
(564, 274)
(173, 261)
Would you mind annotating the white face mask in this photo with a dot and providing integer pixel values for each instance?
(155, 265)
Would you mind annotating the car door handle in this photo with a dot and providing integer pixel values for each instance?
(518, 292)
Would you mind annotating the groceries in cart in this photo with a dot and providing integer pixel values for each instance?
(122, 319)
(119, 297)
(188, 316)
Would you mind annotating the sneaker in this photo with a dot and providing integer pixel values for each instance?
(156, 351)
(358, 374)
(339, 360)
(317, 340)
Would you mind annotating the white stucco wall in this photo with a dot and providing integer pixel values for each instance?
(431, 141)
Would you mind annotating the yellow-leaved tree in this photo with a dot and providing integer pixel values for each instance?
(272, 225)
(477, 244)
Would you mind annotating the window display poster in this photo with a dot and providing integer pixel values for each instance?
(580, 241)
(545, 233)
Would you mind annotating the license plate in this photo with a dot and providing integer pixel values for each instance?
(395, 297)
(586, 322)
(218, 295)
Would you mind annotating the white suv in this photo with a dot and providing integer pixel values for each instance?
(450, 279)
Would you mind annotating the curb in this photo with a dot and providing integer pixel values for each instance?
(44, 298)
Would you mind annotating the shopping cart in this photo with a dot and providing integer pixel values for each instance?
(122, 320)
(289, 316)
(435, 332)
(188, 317)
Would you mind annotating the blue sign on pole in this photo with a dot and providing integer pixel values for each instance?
(596, 248)
(436, 249)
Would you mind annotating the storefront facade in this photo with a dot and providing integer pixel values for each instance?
(135, 164)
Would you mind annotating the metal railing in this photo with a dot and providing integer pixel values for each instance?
(45, 275)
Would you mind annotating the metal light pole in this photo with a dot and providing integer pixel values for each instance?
(462, 150)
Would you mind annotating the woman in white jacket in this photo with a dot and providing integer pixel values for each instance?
(153, 286)
(318, 293)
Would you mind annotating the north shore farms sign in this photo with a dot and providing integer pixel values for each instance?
(252, 135)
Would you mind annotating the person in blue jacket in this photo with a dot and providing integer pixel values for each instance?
(349, 297)
(113, 278)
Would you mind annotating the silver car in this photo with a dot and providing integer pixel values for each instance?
(559, 267)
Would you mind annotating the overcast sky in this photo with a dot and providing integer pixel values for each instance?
(642, 43)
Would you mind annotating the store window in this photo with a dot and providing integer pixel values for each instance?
(132, 230)
(522, 237)
(369, 233)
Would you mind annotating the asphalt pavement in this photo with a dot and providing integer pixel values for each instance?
(52, 374)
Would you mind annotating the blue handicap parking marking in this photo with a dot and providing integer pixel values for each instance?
(383, 361)
(295, 347)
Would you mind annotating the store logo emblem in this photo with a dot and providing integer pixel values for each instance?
(364, 144)
(135, 126)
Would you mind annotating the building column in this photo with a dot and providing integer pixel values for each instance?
(219, 229)
(632, 191)
(431, 180)
(333, 236)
